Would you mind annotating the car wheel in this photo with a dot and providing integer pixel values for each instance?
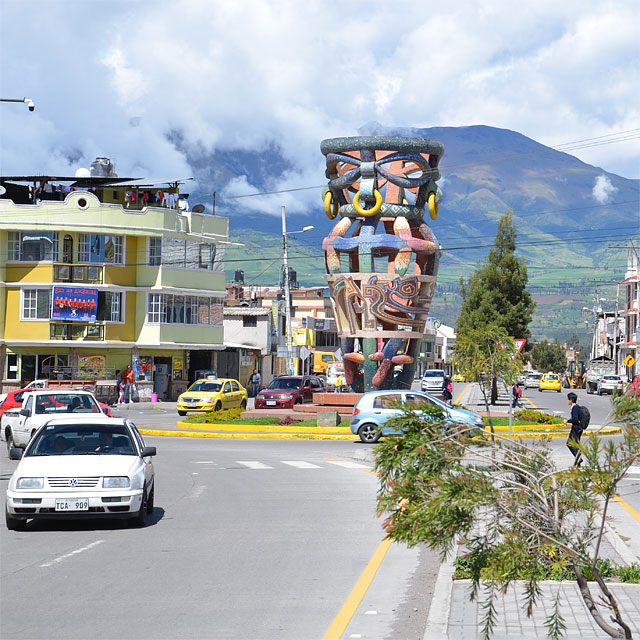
(540, 390)
(14, 524)
(299, 401)
(218, 406)
(559, 390)
(151, 499)
(369, 433)
(182, 413)
(10, 442)
(140, 519)
(599, 392)
(243, 405)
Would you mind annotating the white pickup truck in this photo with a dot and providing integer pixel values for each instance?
(38, 406)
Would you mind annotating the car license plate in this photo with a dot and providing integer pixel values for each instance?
(271, 403)
(72, 504)
(192, 404)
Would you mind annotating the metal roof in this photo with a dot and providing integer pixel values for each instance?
(95, 181)
(246, 311)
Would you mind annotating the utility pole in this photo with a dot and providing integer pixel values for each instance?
(615, 331)
(287, 295)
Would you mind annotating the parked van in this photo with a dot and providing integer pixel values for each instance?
(321, 360)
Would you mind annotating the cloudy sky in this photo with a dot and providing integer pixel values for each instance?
(115, 77)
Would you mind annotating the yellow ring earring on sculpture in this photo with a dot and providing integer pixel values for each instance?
(330, 208)
(368, 212)
(433, 205)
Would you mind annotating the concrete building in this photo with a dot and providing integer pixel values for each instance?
(629, 312)
(97, 273)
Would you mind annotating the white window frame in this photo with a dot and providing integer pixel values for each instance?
(158, 304)
(119, 249)
(14, 248)
(154, 259)
(23, 295)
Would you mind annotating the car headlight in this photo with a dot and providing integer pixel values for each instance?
(30, 483)
(115, 482)
(286, 397)
(205, 400)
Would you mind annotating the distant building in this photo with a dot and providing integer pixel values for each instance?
(630, 313)
(100, 272)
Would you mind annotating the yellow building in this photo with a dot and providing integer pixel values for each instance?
(110, 274)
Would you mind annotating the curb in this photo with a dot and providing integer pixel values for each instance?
(261, 428)
(551, 434)
(245, 436)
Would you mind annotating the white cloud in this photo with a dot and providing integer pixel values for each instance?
(602, 189)
(114, 77)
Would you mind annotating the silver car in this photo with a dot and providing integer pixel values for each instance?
(610, 382)
(532, 381)
(432, 380)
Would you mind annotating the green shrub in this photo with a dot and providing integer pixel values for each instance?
(630, 573)
(215, 416)
(531, 415)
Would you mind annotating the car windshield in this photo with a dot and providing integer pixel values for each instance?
(535, 376)
(616, 378)
(284, 383)
(81, 439)
(54, 403)
(433, 374)
(205, 386)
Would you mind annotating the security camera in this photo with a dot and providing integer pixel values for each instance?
(30, 104)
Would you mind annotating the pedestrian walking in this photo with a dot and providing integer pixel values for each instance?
(254, 383)
(447, 390)
(517, 394)
(579, 421)
(339, 383)
(128, 379)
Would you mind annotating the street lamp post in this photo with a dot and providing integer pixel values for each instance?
(287, 288)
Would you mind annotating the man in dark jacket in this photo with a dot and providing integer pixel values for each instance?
(576, 428)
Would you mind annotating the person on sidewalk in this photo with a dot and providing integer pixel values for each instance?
(254, 383)
(576, 428)
(447, 390)
(517, 394)
(128, 378)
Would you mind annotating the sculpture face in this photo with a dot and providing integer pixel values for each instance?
(381, 257)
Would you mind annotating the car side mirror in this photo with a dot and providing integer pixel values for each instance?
(25, 412)
(148, 451)
(15, 453)
(105, 410)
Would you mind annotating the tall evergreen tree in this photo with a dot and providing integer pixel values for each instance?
(496, 292)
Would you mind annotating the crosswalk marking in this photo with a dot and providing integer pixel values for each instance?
(346, 464)
(300, 464)
(253, 464)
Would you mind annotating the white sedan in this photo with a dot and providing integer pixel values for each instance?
(609, 383)
(92, 468)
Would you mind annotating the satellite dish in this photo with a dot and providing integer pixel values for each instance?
(83, 173)
(2, 190)
(199, 208)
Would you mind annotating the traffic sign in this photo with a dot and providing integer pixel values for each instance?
(629, 361)
(519, 342)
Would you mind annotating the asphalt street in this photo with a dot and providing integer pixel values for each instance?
(249, 539)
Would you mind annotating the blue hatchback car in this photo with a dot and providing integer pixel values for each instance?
(375, 408)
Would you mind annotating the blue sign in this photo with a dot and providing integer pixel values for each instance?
(74, 303)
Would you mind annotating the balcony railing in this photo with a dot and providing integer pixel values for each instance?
(75, 331)
(84, 273)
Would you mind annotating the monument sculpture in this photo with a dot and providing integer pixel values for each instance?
(381, 257)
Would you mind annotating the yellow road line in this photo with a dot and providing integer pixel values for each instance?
(462, 393)
(338, 626)
(529, 401)
(627, 507)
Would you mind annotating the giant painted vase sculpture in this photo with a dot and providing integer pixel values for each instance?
(381, 257)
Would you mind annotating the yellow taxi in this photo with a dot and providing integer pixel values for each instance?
(212, 394)
(457, 377)
(550, 382)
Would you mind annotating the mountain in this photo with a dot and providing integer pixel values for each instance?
(568, 213)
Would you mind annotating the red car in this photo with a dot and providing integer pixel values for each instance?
(14, 401)
(285, 391)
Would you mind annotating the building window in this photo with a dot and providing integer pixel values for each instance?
(109, 306)
(97, 248)
(36, 304)
(11, 370)
(32, 246)
(249, 321)
(155, 252)
(189, 254)
(165, 308)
